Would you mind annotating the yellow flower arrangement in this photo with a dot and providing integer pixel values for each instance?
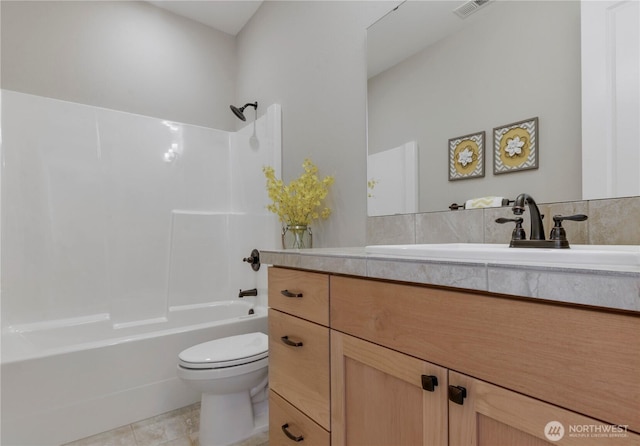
(300, 201)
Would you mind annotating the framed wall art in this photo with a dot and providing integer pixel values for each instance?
(515, 147)
(466, 156)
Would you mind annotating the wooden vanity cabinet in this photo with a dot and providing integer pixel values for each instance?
(543, 361)
(385, 363)
(298, 357)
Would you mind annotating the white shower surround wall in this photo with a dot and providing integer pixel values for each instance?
(120, 221)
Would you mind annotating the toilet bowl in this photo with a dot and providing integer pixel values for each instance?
(232, 374)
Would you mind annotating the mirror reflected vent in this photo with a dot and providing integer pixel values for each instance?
(468, 8)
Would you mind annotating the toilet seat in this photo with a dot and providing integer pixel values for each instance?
(226, 352)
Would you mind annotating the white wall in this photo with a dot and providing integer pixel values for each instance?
(491, 74)
(122, 55)
(310, 57)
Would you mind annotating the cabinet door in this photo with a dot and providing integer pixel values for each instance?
(491, 415)
(377, 396)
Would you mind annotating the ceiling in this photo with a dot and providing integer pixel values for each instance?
(389, 41)
(411, 27)
(228, 16)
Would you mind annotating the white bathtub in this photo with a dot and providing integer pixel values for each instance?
(62, 381)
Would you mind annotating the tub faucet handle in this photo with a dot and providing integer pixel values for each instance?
(253, 260)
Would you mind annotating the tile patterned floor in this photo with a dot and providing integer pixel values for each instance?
(175, 428)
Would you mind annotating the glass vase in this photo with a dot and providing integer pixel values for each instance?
(297, 237)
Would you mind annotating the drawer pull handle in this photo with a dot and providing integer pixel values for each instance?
(285, 429)
(288, 341)
(457, 394)
(288, 293)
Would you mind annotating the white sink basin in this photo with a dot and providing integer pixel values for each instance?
(593, 256)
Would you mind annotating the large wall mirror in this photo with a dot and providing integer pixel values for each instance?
(435, 76)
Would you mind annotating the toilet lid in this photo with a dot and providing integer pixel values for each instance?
(226, 352)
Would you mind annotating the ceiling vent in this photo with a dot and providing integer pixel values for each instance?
(468, 8)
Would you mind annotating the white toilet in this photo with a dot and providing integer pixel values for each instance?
(232, 374)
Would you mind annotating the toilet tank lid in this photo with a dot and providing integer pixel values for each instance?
(227, 350)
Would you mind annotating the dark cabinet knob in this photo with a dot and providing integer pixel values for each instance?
(429, 382)
(457, 394)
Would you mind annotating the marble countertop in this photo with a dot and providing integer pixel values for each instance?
(601, 288)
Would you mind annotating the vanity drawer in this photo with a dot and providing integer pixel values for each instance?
(300, 373)
(284, 418)
(300, 293)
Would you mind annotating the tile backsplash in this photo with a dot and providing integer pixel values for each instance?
(611, 222)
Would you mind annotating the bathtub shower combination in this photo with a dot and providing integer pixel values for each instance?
(122, 245)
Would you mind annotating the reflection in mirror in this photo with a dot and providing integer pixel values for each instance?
(509, 61)
(610, 98)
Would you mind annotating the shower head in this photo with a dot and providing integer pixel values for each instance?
(239, 112)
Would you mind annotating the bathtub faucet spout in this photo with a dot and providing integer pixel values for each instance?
(253, 292)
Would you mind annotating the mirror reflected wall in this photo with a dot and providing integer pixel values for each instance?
(507, 62)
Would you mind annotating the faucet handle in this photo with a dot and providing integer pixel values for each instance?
(518, 232)
(253, 260)
(558, 232)
(577, 217)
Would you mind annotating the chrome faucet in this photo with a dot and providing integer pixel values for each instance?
(537, 227)
(245, 293)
